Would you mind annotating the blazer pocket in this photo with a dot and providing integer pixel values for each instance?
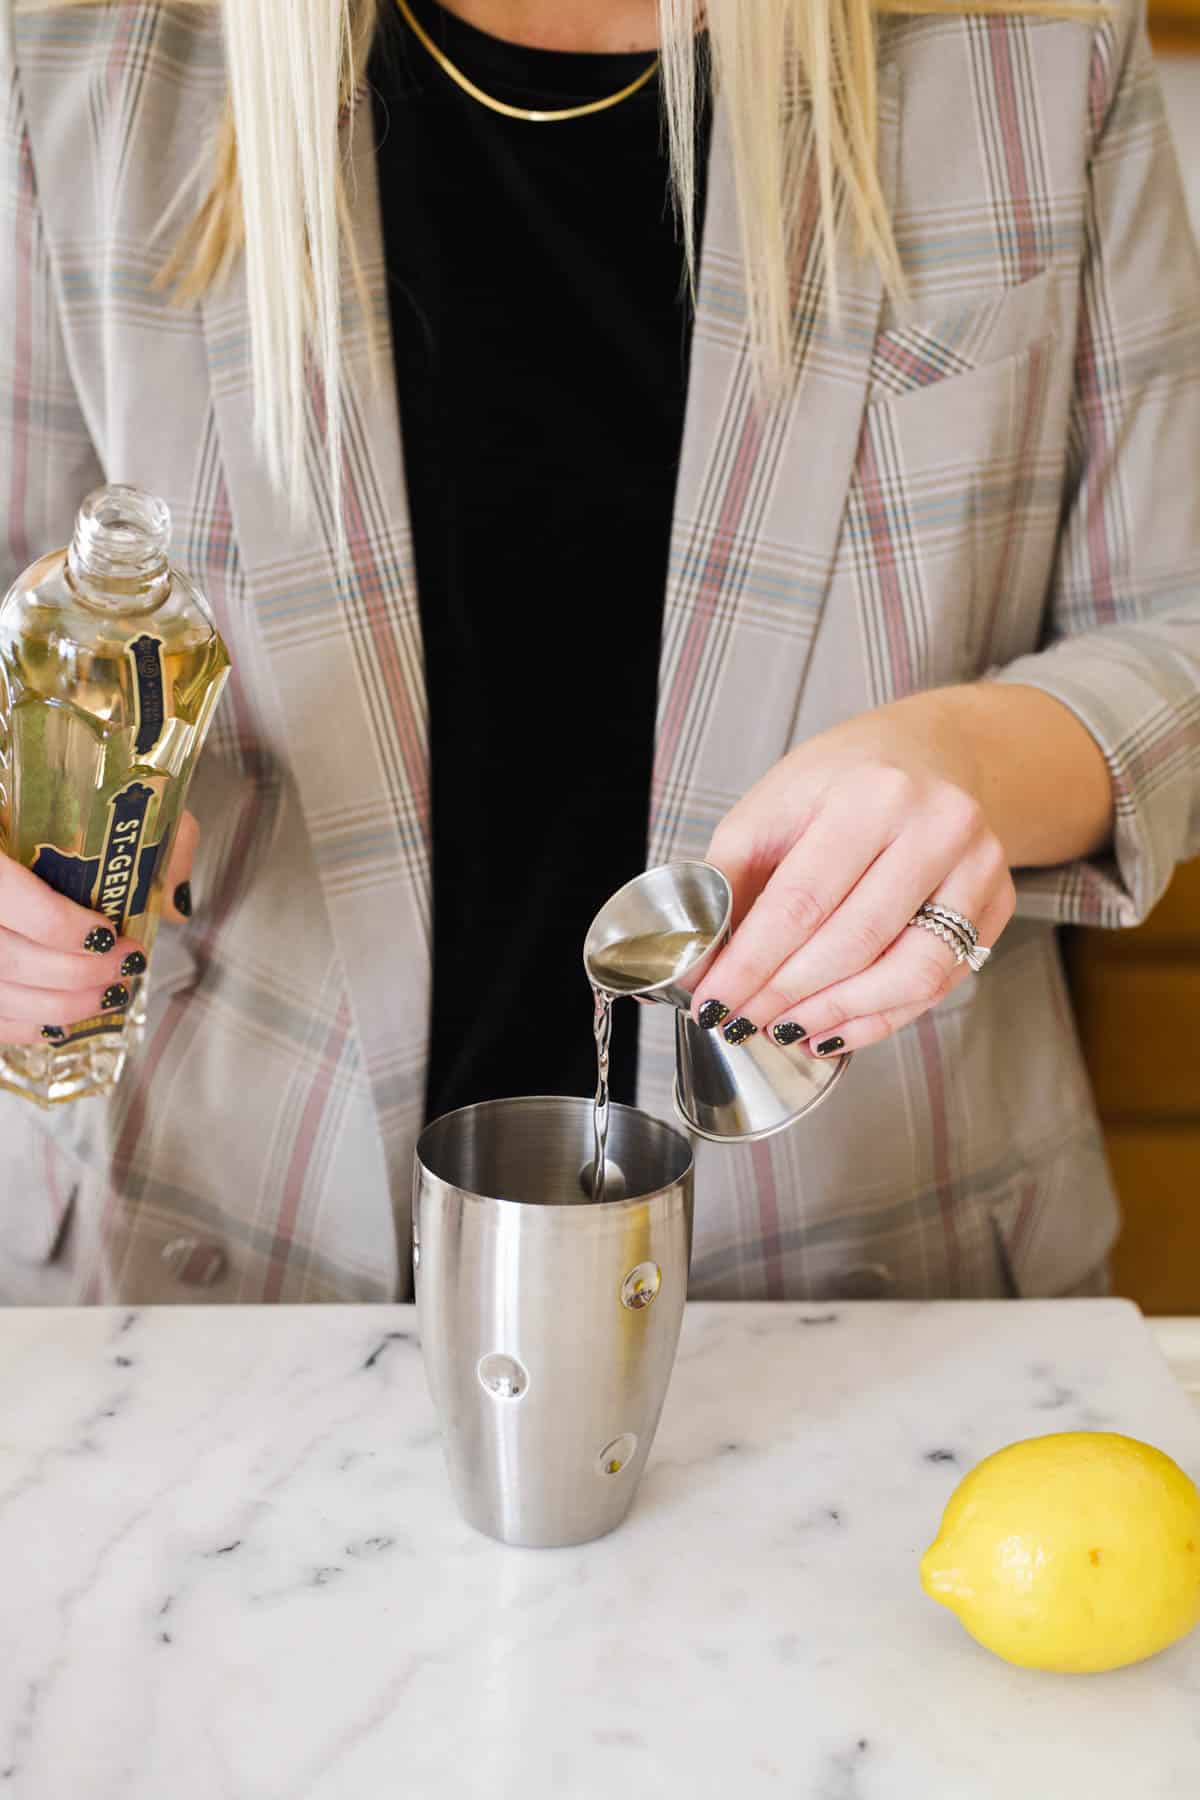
(910, 356)
(48, 1160)
(39, 1186)
(1054, 1223)
(173, 966)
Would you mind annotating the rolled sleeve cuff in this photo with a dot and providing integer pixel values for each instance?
(1136, 690)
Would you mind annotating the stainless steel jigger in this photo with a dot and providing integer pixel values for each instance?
(728, 1093)
(549, 1322)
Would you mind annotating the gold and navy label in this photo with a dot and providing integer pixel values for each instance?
(117, 882)
(149, 693)
(107, 1024)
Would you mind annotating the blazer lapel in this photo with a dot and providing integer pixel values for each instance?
(345, 652)
(758, 509)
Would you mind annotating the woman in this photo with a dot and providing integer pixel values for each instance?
(915, 575)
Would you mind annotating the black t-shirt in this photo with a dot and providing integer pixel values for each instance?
(541, 336)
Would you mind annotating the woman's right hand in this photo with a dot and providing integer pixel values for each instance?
(60, 962)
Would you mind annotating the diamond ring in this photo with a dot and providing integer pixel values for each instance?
(955, 931)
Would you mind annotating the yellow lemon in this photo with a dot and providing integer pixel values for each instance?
(1076, 1552)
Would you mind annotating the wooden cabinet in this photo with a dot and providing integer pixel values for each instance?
(1138, 993)
(1137, 1000)
(1175, 24)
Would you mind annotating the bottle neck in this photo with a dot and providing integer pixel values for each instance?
(117, 560)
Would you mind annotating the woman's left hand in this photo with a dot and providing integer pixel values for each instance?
(829, 857)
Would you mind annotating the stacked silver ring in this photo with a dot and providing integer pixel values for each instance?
(955, 931)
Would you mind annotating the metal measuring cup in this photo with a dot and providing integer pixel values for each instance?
(727, 1093)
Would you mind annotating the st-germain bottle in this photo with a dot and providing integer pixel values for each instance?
(110, 669)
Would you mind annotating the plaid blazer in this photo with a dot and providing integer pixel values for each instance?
(997, 478)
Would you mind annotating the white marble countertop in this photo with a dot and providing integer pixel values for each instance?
(230, 1567)
(1179, 1341)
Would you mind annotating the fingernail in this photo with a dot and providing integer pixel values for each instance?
(788, 1033)
(829, 1045)
(114, 996)
(739, 1031)
(134, 964)
(711, 1014)
(183, 899)
(100, 939)
(55, 1033)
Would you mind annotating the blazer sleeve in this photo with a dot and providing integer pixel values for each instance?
(48, 461)
(1122, 649)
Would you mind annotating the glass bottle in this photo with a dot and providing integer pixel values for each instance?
(110, 669)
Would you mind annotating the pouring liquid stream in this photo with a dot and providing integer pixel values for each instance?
(602, 1031)
(629, 966)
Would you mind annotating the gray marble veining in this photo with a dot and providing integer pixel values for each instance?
(230, 1567)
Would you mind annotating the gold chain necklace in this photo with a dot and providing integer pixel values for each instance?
(517, 112)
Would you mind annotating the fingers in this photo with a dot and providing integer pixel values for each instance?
(857, 1034)
(44, 992)
(20, 1034)
(835, 1022)
(45, 1019)
(177, 897)
(59, 962)
(30, 908)
(914, 975)
(25, 964)
(54, 1006)
(856, 935)
(745, 860)
(807, 887)
(824, 956)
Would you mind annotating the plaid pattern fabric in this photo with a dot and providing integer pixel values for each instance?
(969, 484)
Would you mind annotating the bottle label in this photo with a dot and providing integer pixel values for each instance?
(108, 1024)
(117, 882)
(149, 702)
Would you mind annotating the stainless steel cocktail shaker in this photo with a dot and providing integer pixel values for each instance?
(549, 1322)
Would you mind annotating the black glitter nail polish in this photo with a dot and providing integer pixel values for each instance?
(114, 996)
(788, 1033)
(183, 899)
(100, 939)
(711, 1014)
(134, 964)
(55, 1033)
(829, 1044)
(739, 1031)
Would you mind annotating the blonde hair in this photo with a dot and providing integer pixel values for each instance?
(798, 79)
